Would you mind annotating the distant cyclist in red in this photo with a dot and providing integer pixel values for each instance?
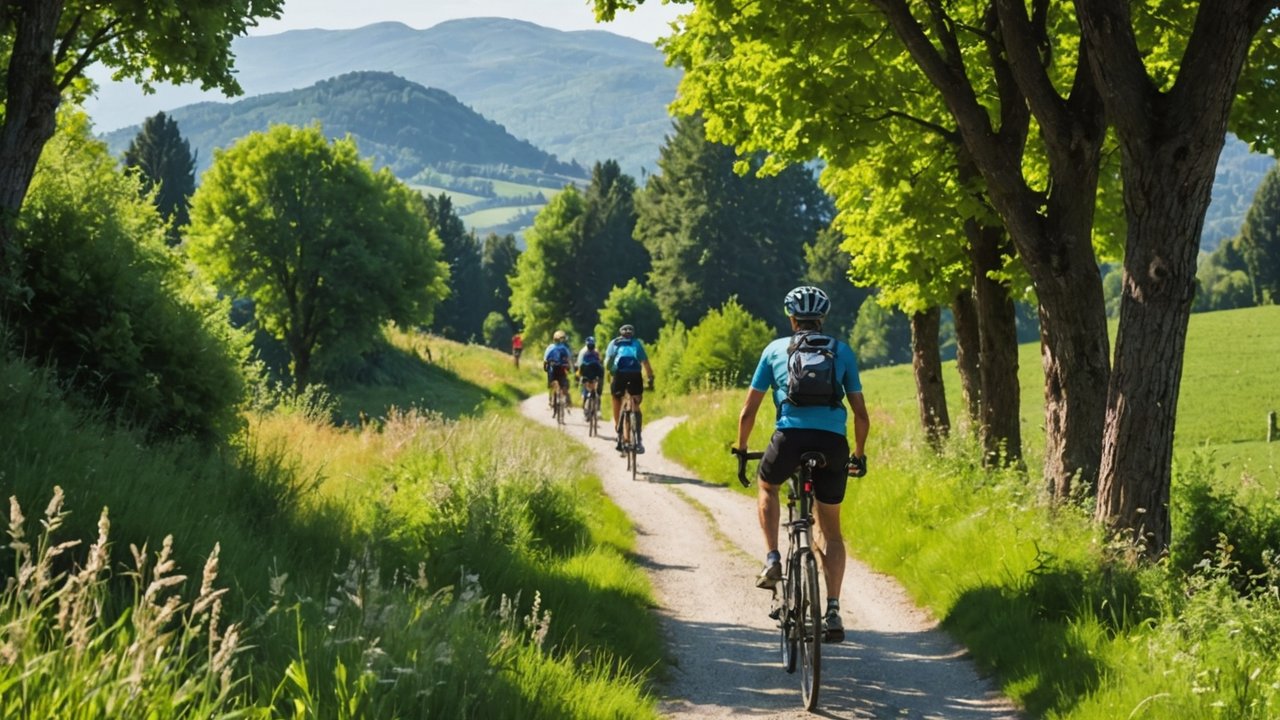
(517, 347)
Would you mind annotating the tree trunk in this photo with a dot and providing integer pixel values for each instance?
(31, 107)
(969, 356)
(926, 363)
(1001, 425)
(1170, 143)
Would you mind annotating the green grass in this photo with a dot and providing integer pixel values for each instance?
(1067, 625)
(415, 567)
(493, 217)
(460, 199)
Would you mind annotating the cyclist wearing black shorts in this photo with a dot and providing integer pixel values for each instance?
(590, 366)
(800, 429)
(624, 359)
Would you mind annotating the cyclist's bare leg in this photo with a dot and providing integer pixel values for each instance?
(828, 543)
(767, 509)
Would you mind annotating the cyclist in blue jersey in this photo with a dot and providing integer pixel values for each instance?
(590, 367)
(557, 360)
(624, 359)
(801, 428)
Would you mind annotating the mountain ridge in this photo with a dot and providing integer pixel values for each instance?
(585, 95)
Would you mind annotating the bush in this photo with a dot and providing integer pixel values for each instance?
(667, 355)
(722, 350)
(108, 304)
(631, 304)
(497, 331)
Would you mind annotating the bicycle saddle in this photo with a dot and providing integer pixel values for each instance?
(818, 459)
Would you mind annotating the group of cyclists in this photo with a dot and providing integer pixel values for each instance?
(799, 427)
(624, 359)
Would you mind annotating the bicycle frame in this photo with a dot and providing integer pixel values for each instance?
(627, 418)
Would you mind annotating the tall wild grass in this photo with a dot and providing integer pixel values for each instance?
(415, 567)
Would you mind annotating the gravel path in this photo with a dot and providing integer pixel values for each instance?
(699, 543)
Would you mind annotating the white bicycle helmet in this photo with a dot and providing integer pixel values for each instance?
(806, 301)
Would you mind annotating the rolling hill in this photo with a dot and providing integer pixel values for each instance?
(586, 95)
(424, 135)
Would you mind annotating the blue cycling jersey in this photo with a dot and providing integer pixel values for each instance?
(771, 374)
(557, 354)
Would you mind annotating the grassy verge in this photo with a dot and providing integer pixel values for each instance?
(1069, 627)
(415, 567)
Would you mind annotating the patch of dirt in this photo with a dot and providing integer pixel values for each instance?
(702, 546)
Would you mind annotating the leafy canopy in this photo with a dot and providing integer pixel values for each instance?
(327, 249)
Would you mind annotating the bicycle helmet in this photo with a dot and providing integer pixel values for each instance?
(591, 341)
(626, 331)
(560, 336)
(806, 301)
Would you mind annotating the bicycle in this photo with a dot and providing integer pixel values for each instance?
(798, 610)
(630, 431)
(559, 399)
(591, 407)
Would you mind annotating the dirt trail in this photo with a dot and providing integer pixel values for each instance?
(699, 543)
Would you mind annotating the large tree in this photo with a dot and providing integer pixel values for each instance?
(461, 315)
(497, 261)
(327, 249)
(612, 256)
(1171, 115)
(47, 44)
(714, 233)
(544, 286)
(163, 159)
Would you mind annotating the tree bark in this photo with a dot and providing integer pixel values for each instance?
(31, 107)
(1170, 142)
(926, 364)
(969, 356)
(1001, 419)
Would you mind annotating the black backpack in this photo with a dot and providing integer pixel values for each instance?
(811, 371)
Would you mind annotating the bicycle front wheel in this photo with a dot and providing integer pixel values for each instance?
(809, 626)
(788, 618)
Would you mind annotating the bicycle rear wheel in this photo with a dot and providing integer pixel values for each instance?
(787, 617)
(592, 412)
(559, 406)
(809, 626)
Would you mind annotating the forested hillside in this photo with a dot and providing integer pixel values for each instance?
(396, 122)
(1239, 174)
(586, 96)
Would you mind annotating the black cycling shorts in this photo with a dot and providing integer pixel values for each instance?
(591, 372)
(631, 382)
(782, 457)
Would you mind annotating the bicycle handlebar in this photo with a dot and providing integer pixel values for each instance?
(743, 457)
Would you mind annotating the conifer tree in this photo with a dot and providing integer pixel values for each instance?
(1259, 241)
(164, 161)
(461, 315)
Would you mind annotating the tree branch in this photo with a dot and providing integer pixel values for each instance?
(1116, 62)
(1014, 112)
(1025, 62)
(1217, 49)
(945, 133)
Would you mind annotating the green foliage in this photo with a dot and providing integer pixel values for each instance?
(460, 316)
(163, 158)
(713, 233)
(544, 287)
(1260, 240)
(720, 351)
(880, 337)
(611, 255)
(326, 248)
(828, 267)
(632, 304)
(497, 330)
(109, 305)
(497, 261)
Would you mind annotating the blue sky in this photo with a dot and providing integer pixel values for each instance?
(648, 23)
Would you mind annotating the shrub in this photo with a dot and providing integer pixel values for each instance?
(108, 304)
(631, 304)
(497, 331)
(723, 348)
